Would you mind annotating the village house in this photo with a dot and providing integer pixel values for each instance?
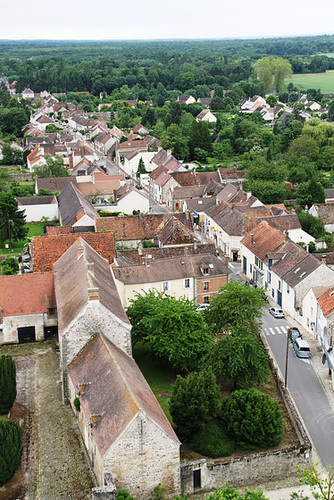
(76, 210)
(161, 229)
(283, 268)
(99, 185)
(46, 250)
(36, 208)
(53, 184)
(128, 199)
(186, 99)
(206, 116)
(196, 277)
(325, 212)
(27, 308)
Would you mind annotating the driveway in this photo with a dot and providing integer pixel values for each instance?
(55, 465)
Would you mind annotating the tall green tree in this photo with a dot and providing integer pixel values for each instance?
(12, 220)
(53, 167)
(235, 305)
(171, 327)
(195, 401)
(10, 449)
(7, 383)
(173, 138)
(272, 71)
(238, 358)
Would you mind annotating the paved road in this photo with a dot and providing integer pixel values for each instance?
(305, 389)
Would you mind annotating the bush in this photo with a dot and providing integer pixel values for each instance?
(252, 417)
(195, 401)
(124, 495)
(7, 383)
(9, 266)
(76, 404)
(10, 449)
(212, 441)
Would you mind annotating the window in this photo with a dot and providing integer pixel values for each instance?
(206, 299)
(250, 268)
(279, 285)
(186, 283)
(51, 311)
(269, 277)
(206, 286)
(205, 270)
(287, 289)
(165, 286)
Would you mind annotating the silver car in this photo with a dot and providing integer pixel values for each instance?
(276, 312)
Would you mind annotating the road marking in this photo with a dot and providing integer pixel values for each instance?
(285, 330)
(272, 331)
(279, 331)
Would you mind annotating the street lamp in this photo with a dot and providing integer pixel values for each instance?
(286, 360)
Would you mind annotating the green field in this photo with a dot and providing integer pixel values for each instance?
(322, 81)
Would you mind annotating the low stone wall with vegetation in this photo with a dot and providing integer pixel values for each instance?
(256, 468)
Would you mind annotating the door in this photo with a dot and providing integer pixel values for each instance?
(244, 265)
(197, 478)
(279, 298)
(50, 332)
(26, 334)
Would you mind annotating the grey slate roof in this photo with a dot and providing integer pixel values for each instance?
(72, 202)
(171, 269)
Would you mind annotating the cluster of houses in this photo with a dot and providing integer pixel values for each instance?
(85, 272)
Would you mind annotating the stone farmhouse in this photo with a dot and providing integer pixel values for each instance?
(126, 433)
(27, 308)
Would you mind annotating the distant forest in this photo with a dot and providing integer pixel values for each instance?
(150, 68)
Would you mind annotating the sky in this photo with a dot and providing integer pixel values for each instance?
(151, 19)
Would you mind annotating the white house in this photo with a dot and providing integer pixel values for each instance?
(129, 199)
(37, 208)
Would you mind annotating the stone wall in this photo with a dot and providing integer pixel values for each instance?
(259, 467)
(144, 456)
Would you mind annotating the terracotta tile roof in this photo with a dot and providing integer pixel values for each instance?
(137, 227)
(203, 178)
(157, 171)
(48, 249)
(231, 173)
(26, 294)
(116, 390)
(57, 230)
(184, 178)
(326, 302)
(188, 192)
(263, 239)
(163, 178)
(175, 233)
(75, 272)
(201, 204)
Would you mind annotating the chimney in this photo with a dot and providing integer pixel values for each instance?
(187, 214)
(251, 238)
(93, 293)
(250, 225)
(249, 194)
(323, 258)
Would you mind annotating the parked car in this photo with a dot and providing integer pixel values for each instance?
(127, 177)
(202, 307)
(138, 186)
(276, 312)
(294, 333)
(302, 348)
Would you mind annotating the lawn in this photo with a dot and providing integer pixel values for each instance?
(159, 375)
(35, 229)
(322, 81)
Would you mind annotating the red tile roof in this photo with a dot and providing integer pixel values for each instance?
(48, 249)
(26, 294)
(263, 239)
(326, 302)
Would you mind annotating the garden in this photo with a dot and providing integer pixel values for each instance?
(210, 372)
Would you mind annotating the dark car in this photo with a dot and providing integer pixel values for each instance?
(138, 186)
(294, 334)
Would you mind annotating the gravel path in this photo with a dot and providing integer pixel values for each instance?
(58, 467)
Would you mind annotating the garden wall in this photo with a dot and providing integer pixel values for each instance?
(256, 468)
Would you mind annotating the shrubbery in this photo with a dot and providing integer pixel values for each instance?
(7, 383)
(195, 401)
(10, 449)
(212, 441)
(252, 418)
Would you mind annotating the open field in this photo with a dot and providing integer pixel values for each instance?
(322, 81)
